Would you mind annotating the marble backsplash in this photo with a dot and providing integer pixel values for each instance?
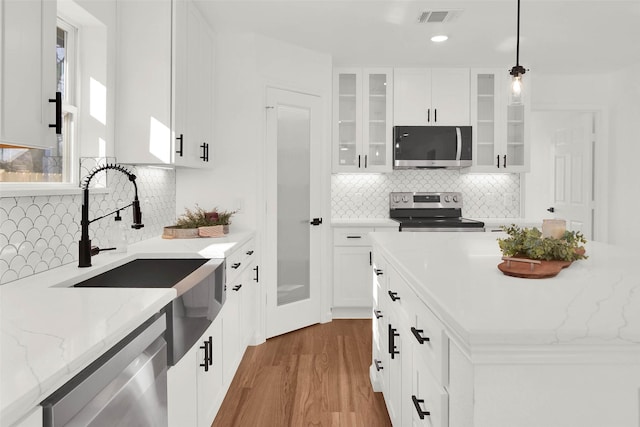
(356, 196)
(38, 233)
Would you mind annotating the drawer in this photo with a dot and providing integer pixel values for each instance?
(398, 295)
(353, 236)
(239, 259)
(430, 340)
(427, 396)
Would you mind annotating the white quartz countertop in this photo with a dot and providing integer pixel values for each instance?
(364, 222)
(50, 331)
(594, 301)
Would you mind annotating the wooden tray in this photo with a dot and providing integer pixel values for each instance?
(541, 269)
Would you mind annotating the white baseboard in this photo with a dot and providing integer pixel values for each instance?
(351, 312)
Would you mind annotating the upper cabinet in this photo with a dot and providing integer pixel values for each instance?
(436, 97)
(500, 131)
(362, 120)
(28, 70)
(164, 95)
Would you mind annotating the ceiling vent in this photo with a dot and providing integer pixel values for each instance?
(438, 16)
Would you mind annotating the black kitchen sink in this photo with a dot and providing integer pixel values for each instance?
(145, 273)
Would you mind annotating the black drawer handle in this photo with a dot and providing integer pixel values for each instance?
(257, 270)
(249, 252)
(378, 314)
(181, 139)
(378, 272)
(418, 334)
(394, 296)
(378, 364)
(237, 287)
(354, 237)
(207, 346)
(417, 402)
(236, 265)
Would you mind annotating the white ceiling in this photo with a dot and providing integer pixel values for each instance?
(565, 36)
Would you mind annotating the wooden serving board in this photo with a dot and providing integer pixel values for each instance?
(540, 271)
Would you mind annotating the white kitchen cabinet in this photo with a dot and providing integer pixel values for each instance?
(164, 93)
(193, 46)
(436, 97)
(352, 273)
(362, 120)
(209, 378)
(28, 69)
(500, 131)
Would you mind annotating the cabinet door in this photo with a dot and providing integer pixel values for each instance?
(377, 119)
(352, 276)
(143, 101)
(393, 396)
(347, 116)
(192, 87)
(450, 96)
(249, 304)
(181, 390)
(426, 396)
(232, 332)
(209, 380)
(28, 70)
(412, 97)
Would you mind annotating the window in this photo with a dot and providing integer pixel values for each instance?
(56, 164)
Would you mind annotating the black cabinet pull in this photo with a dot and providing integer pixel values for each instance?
(249, 252)
(354, 237)
(370, 258)
(551, 209)
(392, 341)
(58, 123)
(358, 161)
(504, 161)
(418, 334)
(257, 278)
(435, 115)
(428, 115)
(498, 161)
(207, 346)
(236, 265)
(417, 402)
(377, 313)
(394, 296)
(181, 140)
(365, 161)
(378, 364)
(378, 272)
(316, 221)
(205, 152)
(237, 287)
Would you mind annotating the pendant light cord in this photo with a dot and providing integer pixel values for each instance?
(518, 37)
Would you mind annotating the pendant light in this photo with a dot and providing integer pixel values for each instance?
(518, 70)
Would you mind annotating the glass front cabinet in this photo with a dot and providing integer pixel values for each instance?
(362, 120)
(500, 129)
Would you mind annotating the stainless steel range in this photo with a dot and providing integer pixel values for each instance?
(430, 212)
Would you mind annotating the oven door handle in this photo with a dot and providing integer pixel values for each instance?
(458, 144)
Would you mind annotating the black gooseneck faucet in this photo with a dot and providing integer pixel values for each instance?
(84, 245)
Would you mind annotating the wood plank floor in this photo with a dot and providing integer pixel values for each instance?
(316, 376)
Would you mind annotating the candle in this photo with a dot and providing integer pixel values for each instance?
(554, 228)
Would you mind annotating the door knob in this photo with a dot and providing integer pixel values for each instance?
(551, 209)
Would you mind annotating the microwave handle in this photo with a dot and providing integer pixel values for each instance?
(458, 144)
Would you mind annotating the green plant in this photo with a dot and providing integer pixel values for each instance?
(199, 217)
(530, 243)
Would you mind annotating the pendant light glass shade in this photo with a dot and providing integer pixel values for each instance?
(516, 92)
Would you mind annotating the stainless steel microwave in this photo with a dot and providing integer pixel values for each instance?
(425, 147)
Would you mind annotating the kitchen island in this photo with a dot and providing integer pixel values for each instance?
(505, 351)
(50, 331)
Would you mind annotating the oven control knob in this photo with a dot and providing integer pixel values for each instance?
(447, 199)
(405, 199)
(455, 199)
(396, 199)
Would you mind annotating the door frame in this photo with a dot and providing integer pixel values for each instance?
(600, 163)
(325, 203)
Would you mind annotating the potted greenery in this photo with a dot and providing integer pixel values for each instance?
(200, 223)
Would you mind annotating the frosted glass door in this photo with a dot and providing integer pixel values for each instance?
(293, 212)
(486, 120)
(348, 119)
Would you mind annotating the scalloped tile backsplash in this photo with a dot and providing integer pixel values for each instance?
(38, 233)
(356, 196)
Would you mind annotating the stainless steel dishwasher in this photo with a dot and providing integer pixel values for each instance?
(125, 387)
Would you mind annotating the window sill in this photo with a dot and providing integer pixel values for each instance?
(27, 190)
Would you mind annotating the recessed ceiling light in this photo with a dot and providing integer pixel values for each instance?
(439, 39)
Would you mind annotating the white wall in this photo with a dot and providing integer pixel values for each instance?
(623, 157)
